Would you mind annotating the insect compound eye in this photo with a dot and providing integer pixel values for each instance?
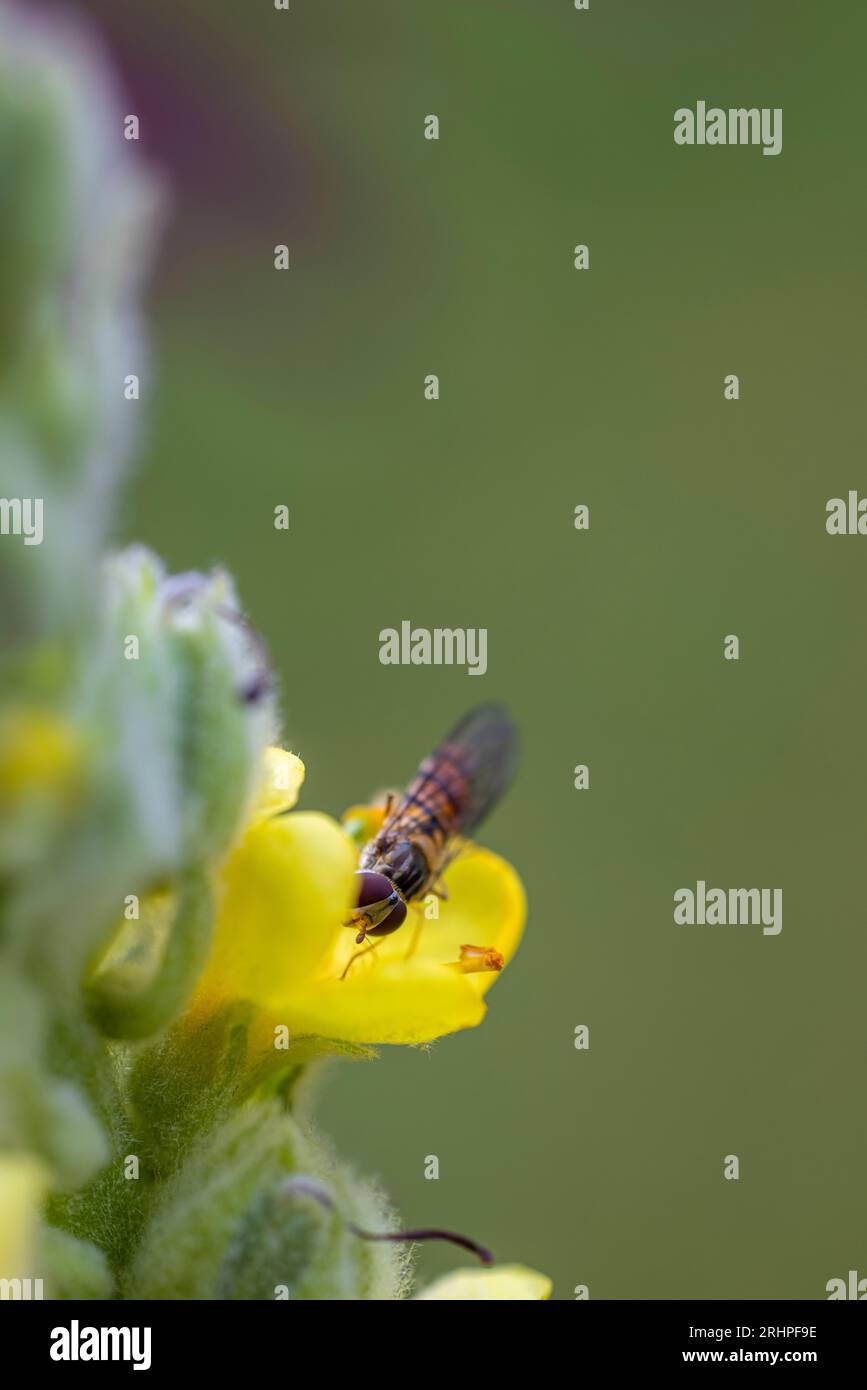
(376, 888)
(395, 919)
(372, 888)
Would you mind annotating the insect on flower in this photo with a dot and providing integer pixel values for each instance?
(450, 795)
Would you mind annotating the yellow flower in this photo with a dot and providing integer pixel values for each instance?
(514, 1282)
(38, 755)
(281, 945)
(22, 1182)
(280, 779)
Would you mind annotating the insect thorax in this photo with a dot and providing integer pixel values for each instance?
(403, 862)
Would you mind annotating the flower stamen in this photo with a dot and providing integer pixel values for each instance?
(476, 959)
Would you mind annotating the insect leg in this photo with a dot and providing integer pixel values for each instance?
(416, 930)
(365, 950)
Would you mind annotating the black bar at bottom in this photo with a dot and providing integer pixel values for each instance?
(267, 1338)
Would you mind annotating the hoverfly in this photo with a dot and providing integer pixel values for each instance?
(450, 795)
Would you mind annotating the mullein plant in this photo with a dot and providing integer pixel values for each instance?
(172, 947)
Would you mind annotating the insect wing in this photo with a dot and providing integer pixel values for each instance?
(470, 770)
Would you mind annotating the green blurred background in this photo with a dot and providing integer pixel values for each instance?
(707, 518)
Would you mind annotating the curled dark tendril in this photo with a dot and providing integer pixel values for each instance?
(306, 1187)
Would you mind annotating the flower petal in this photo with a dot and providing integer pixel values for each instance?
(286, 892)
(281, 943)
(514, 1282)
(362, 823)
(387, 1003)
(280, 780)
(485, 907)
(22, 1182)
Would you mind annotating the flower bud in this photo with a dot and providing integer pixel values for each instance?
(192, 705)
(77, 220)
(237, 1222)
(74, 1268)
